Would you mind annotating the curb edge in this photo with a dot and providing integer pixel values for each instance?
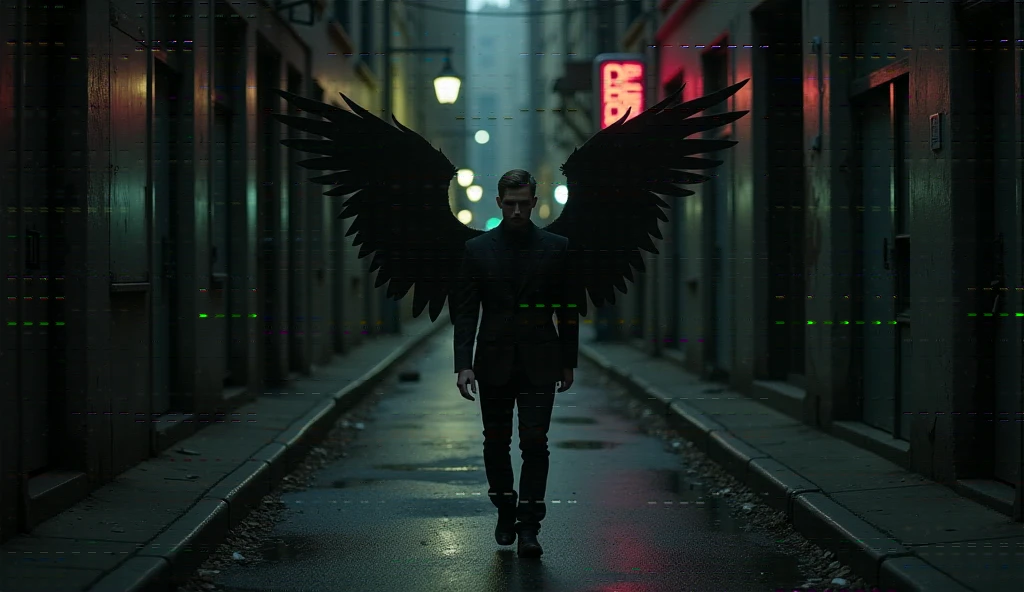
(159, 571)
(803, 511)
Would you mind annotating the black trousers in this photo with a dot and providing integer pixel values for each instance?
(535, 406)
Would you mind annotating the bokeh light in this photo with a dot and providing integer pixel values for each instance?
(561, 194)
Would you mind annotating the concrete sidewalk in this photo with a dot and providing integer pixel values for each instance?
(892, 526)
(156, 523)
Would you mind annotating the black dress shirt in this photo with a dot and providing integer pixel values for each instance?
(513, 248)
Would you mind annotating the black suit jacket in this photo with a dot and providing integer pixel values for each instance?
(515, 316)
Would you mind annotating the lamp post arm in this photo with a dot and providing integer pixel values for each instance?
(388, 99)
(386, 107)
(394, 50)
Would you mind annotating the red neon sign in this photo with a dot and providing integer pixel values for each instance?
(622, 88)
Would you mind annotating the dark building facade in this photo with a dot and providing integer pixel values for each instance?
(870, 125)
(856, 261)
(165, 258)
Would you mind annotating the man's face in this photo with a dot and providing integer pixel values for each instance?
(516, 206)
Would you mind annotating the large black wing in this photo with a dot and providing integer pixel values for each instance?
(614, 181)
(399, 197)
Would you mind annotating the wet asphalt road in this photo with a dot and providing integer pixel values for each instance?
(407, 510)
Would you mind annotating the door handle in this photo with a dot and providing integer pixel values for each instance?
(32, 238)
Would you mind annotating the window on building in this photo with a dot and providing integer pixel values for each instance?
(166, 23)
(716, 76)
(367, 38)
(488, 108)
(634, 8)
(880, 31)
(675, 83)
(343, 13)
(488, 104)
(607, 28)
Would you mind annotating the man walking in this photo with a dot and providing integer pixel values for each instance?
(519, 274)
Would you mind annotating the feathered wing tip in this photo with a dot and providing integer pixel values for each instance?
(702, 103)
(670, 101)
(407, 227)
(324, 110)
(605, 248)
(358, 110)
(622, 119)
(399, 125)
(562, 166)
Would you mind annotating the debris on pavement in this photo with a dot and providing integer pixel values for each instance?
(818, 565)
(409, 375)
(188, 452)
(249, 538)
(245, 543)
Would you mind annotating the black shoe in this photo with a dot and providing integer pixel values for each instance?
(528, 545)
(505, 531)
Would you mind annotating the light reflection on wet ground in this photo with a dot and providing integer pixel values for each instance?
(407, 509)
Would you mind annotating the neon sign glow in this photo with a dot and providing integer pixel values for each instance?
(622, 88)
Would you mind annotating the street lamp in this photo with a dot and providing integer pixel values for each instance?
(446, 87)
(446, 84)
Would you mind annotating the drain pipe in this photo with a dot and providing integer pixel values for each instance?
(653, 62)
(21, 19)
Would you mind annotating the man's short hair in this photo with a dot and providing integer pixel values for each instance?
(515, 179)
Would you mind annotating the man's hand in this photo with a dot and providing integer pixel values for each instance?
(566, 381)
(467, 378)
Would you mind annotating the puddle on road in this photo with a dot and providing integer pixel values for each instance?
(585, 444)
(403, 426)
(695, 493)
(423, 468)
(345, 483)
(284, 548)
(450, 445)
(574, 420)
